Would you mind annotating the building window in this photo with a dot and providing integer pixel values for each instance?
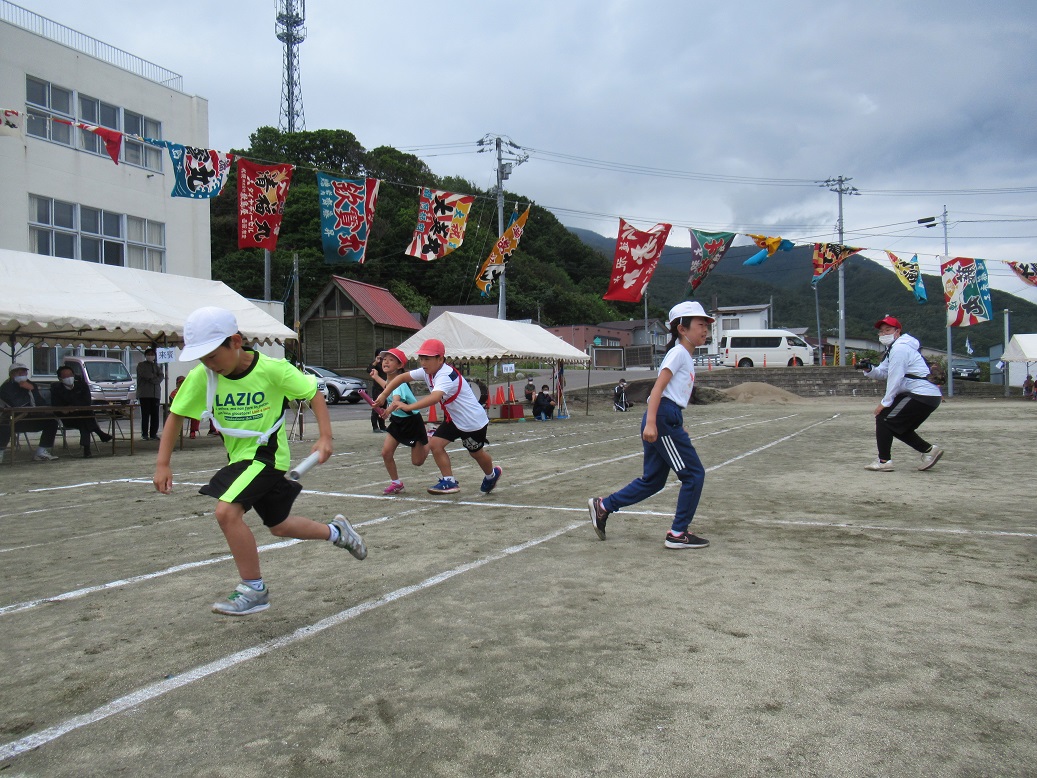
(731, 324)
(46, 101)
(61, 229)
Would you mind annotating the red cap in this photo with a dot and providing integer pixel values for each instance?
(432, 348)
(890, 321)
(396, 353)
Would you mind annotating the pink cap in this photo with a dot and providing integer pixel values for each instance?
(432, 348)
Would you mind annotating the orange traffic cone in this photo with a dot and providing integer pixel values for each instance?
(765, 360)
(432, 417)
(499, 399)
(709, 366)
(511, 393)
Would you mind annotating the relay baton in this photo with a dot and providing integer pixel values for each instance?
(303, 467)
(370, 401)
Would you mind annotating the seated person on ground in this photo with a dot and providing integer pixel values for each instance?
(544, 405)
(71, 391)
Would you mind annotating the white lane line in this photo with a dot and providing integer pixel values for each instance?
(881, 528)
(772, 443)
(152, 691)
(65, 539)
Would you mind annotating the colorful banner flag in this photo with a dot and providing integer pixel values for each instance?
(828, 256)
(637, 254)
(910, 276)
(1027, 271)
(112, 139)
(13, 123)
(770, 247)
(442, 217)
(502, 251)
(262, 191)
(707, 248)
(197, 173)
(968, 347)
(966, 291)
(346, 212)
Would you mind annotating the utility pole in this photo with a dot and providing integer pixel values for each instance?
(504, 167)
(839, 186)
(1007, 365)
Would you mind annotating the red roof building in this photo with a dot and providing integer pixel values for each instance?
(350, 321)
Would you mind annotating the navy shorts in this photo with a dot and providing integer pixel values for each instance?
(253, 484)
(408, 430)
(473, 441)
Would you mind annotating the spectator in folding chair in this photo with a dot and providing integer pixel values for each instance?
(70, 391)
(19, 392)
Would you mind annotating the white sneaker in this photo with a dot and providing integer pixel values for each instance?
(931, 457)
(880, 467)
(44, 456)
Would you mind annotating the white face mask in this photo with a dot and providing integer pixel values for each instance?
(887, 340)
(21, 377)
(68, 381)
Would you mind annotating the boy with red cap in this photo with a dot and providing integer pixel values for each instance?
(909, 399)
(463, 417)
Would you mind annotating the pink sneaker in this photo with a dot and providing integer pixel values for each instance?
(393, 488)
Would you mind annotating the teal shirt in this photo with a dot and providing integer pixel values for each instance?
(405, 395)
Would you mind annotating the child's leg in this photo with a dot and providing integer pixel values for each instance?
(418, 454)
(653, 479)
(483, 459)
(301, 528)
(439, 455)
(692, 476)
(388, 452)
(242, 543)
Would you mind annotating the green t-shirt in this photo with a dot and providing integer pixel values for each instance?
(403, 391)
(253, 400)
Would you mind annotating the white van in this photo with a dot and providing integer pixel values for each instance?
(764, 348)
(108, 379)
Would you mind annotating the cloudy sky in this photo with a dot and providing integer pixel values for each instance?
(709, 115)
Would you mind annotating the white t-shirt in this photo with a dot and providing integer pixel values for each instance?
(464, 410)
(679, 362)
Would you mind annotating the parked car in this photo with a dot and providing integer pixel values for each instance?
(759, 348)
(965, 368)
(108, 379)
(340, 387)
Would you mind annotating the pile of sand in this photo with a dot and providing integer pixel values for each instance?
(756, 392)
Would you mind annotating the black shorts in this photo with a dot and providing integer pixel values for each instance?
(473, 441)
(409, 430)
(253, 484)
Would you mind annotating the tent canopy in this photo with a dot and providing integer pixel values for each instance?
(1021, 348)
(476, 337)
(61, 301)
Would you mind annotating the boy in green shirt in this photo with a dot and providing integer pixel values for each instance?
(246, 395)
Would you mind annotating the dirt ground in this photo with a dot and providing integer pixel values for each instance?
(841, 623)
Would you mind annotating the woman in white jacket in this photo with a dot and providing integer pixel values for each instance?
(909, 399)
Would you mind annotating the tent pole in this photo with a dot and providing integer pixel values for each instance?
(588, 389)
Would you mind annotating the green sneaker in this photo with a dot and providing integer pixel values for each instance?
(243, 601)
(348, 538)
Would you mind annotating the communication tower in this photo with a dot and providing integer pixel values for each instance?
(290, 29)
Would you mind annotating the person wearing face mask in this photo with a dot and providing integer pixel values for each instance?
(909, 399)
(67, 391)
(19, 392)
(149, 392)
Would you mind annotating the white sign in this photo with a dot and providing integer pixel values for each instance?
(508, 368)
(165, 355)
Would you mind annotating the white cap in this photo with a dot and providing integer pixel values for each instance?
(17, 366)
(688, 308)
(205, 330)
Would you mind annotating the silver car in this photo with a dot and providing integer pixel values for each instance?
(340, 387)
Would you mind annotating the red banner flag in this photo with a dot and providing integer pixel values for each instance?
(442, 217)
(112, 139)
(262, 191)
(637, 254)
(828, 256)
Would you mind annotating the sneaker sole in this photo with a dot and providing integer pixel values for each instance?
(249, 612)
(432, 490)
(670, 544)
(933, 462)
(594, 519)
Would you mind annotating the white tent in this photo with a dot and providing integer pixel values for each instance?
(1021, 348)
(61, 301)
(476, 337)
